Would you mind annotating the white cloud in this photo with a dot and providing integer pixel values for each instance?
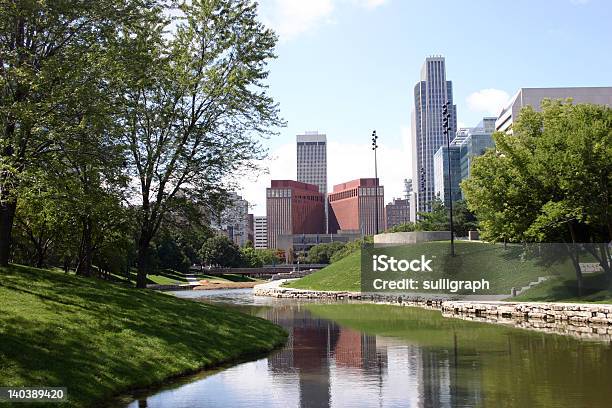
(290, 18)
(346, 161)
(489, 100)
(371, 4)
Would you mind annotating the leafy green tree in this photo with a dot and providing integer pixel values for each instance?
(406, 227)
(436, 220)
(550, 181)
(194, 105)
(322, 253)
(220, 251)
(270, 256)
(250, 258)
(41, 43)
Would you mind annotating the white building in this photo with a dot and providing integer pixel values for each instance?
(261, 232)
(534, 96)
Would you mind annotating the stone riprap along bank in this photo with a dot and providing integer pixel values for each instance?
(578, 313)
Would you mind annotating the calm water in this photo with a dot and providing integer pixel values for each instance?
(348, 355)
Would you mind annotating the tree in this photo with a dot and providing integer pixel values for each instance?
(271, 256)
(551, 181)
(194, 105)
(250, 258)
(436, 219)
(220, 251)
(322, 253)
(463, 219)
(40, 44)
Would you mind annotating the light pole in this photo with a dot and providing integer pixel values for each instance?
(446, 127)
(374, 147)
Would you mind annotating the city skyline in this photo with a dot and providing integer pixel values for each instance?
(334, 97)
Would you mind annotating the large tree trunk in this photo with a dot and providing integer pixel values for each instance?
(85, 250)
(143, 262)
(7, 217)
(144, 258)
(574, 255)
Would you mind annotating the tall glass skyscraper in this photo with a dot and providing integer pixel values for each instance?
(430, 94)
(312, 163)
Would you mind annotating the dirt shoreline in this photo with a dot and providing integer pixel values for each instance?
(212, 285)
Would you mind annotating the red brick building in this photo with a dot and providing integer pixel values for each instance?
(293, 207)
(353, 206)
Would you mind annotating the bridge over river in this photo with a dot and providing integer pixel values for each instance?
(266, 270)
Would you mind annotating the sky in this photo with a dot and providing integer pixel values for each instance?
(347, 67)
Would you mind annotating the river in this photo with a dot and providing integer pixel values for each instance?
(358, 355)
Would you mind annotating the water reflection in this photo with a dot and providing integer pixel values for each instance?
(364, 355)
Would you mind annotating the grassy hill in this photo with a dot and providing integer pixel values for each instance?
(99, 339)
(504, 268)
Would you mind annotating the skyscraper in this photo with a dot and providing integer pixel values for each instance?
(468, 144)
(430, 94)
(312, 163)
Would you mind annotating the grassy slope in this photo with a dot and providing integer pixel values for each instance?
(344, 274)
(172, 277)
(562, 290)
(475, 261)
(99, 339)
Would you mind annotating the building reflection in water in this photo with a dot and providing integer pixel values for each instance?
(321, 352)
(434, 362)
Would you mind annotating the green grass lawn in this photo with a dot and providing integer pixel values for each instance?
(344, 274)
(558, 289)
(99, 339)
(172, 277)
(502, 267)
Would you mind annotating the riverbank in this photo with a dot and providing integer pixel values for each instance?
(577, 319)
(99, 339)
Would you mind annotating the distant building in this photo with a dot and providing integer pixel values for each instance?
(353, 206)
(293, 208)
(301, 243)
(251, 229)
(467, 144)
(407, 188)
(312, 162)
(397, 212)
(534, 97)
(234, 220)
(476, 141)
(443, 189)
(430, 95)
(261, 232)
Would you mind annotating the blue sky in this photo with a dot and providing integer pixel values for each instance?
(346, 67)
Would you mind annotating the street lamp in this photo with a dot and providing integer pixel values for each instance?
(447, 128)
(374, 147)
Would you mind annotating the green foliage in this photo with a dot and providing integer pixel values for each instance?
(271, 256)
(323, 253)
(95, 95)
(437, 220)
(550, 181)
(219, 250)
(552, 175)
(250, 257)
(407, 227)
(350, 248)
